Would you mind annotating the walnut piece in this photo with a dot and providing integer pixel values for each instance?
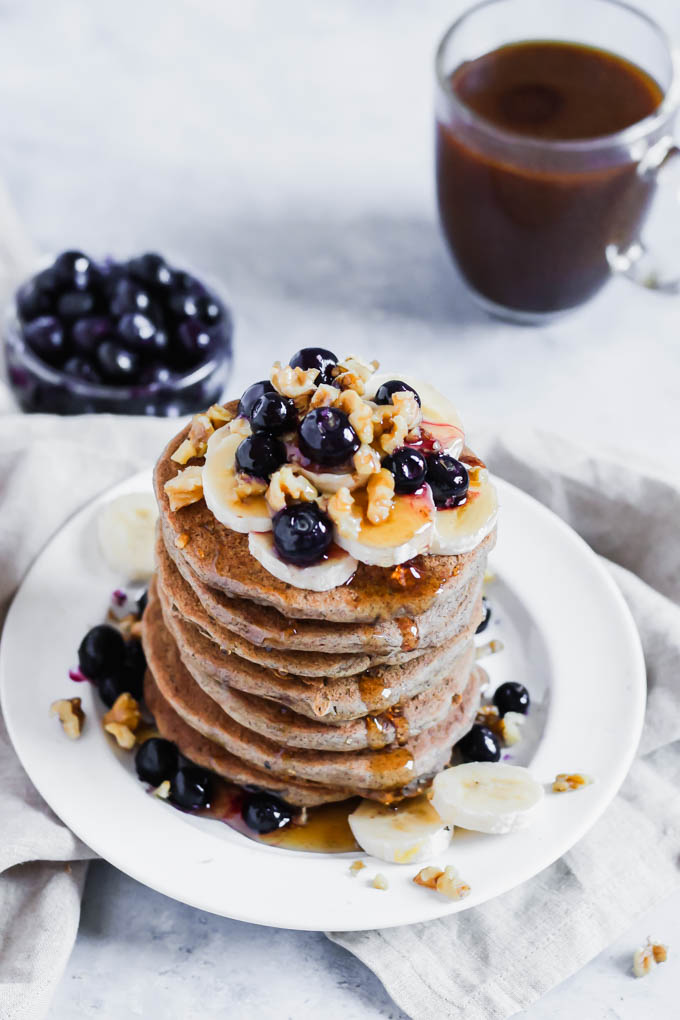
(646, 957)
(359, 412)
(219, 415)
(122, 719)
(407, 407)
(284, 484)
(355, 868)
(182, 540)
(185, 488)
(366, 461)
(390, 427)
(324, 396)
(240, 427)
(293, 382)
(428, 877)
(248, 485)
(196, 443)
(380, 490)
(446, 882)
(380, 882)
(71, 716)
(353, 372)
(490, 648)
(567, 781)
(340, 512)
(123, 735)
(162, 791)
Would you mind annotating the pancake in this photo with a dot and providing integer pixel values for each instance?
(220, 558)
(383, 770)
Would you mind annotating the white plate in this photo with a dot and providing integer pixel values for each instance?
(568, 636)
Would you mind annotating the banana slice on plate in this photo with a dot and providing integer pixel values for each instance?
(125, 529)
(219, 487)
(487, 796)
(440, 417)
(462, 528)
(336, 568)
(405, 534)
(407, 833)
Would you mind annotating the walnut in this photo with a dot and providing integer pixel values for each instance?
(390, 427)
(71, 716)
(293, 382)
(366, 461)
(567, 781)
(359, 412)
(353, 372)
(185, 488)
(123, 735)
(490, 648)
(646, 957)
(449, 884)
(340, 512)
(428, 877)
(407, 407)
(162, 791)
(356, 867)
(380, 882)
(248, 485)
(219, 415)
(286, 483)
(182, 541)
(125, 710)
(324, 396)
(240, 427)
(510, 728)
(196, 442)
(380, 490)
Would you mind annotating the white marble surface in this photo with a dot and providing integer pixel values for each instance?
(287, 149)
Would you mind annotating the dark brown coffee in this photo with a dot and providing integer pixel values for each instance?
(528, 236)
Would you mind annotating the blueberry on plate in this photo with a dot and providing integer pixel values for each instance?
(327, 437)
(512, 697)
(479, 744)
(384, 392)
(263, 813)
(112, 685)
(302, 533)
(88, 333)
(45, 337)
(315, 357)
(153, 270)
(260, 455)
(448, 479)
(156, 760)
(75, 304)
(273, 413)
(252, 394)
(142, 601)
(81, 369)
(101, 651)
(134, 668)
(190, 787)
(117, 364)
(409, 468)
(487, 616)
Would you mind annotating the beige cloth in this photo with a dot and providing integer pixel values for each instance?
(482, 964)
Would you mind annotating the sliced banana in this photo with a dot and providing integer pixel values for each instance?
(405, 534)
(407, 833)
(329, 481)
(461, 529)
(440, 417)
(336, 569)
(219, 483)
(125, 529)
(487, 796)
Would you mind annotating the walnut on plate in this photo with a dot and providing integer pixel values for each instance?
(70, 714)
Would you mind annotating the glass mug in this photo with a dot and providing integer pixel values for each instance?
(535, 225)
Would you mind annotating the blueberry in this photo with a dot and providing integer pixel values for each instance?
(273, 413)
(34, 300)
(81, 369)
(111, 686)
(128, 297)
(118, 364)
(156, 760)
(140, 334)
(184, 305)
(512, 697)
(384, 393)
(157, 375)
(315, 357)
(45, 337)
(196, 342)
(102, 651)
(75, 304)
(448, 479)
(74, 270)
(190, 787)
(153, 270)
(142, 601)
(135, 667)
(88, 333)
(263, 813)
(253, 393)
(260, 455)
(327, 437)
(409, 468)
(479, 745)
(487, 616)
(209, 310)
(302, 533)
(186, 282)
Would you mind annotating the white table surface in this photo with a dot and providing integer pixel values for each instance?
(286, 148)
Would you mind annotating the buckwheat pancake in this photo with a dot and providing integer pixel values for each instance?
(221, 559)
(329, 699)
(263, 625)
(379, 770)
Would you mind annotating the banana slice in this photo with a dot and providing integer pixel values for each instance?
(440, 417)
(461, 529)
(405, 534)
(335, 569)
(125, 529)
(408, 833)
(219, 482)
(487, 796)
(329, 481)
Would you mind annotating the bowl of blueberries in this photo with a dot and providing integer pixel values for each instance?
(135, 336)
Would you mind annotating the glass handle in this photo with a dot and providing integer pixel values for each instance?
(652, 260)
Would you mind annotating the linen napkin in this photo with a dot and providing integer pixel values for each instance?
(482, 964)
(492, 961)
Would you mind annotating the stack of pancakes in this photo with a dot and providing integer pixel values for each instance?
(315, 697)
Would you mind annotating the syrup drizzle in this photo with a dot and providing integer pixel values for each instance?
(410, 636)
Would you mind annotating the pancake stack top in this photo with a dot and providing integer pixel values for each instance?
(320, 558)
